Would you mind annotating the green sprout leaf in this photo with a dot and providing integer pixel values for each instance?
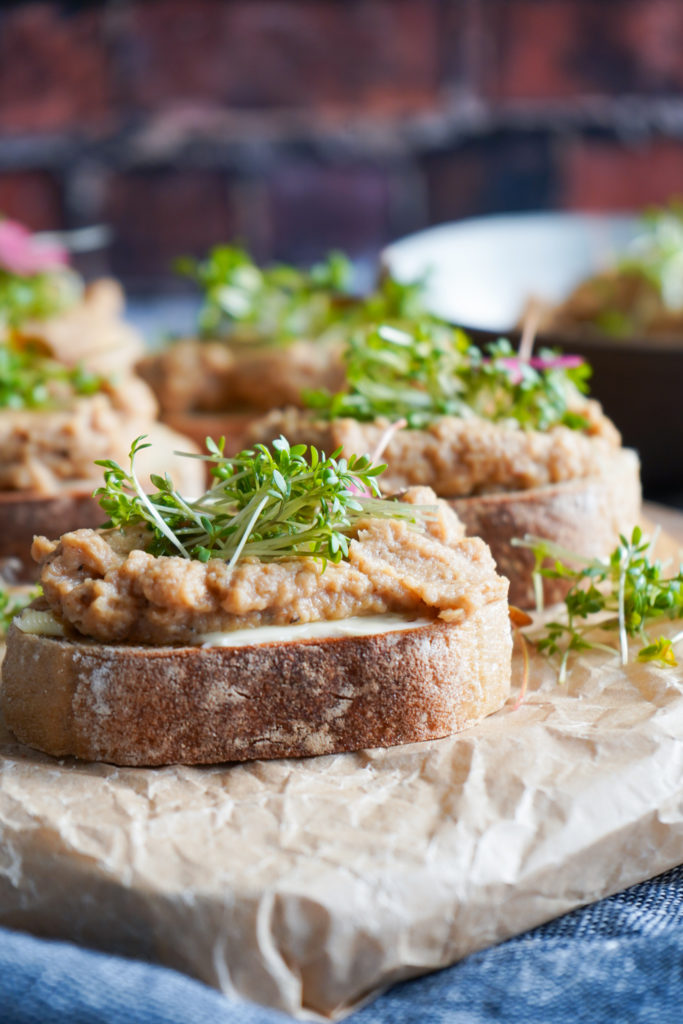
(661, 651)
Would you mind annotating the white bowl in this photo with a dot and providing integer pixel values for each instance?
(480, 272)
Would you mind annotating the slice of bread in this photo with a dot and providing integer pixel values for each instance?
(198, 705)
(584, 515)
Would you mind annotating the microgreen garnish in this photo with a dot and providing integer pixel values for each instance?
(433, 370)
(35, 297)
(35, 281)
(644, 283)
(12, 603)
(395, 302)
(265, 503)
(391, 372)
(29, 379)
(274, 304)
(657, 253)
(616, 599)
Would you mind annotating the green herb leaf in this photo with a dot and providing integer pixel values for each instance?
(660, 651)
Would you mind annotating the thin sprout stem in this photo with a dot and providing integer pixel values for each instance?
(167, 532)
(539, 596)
(186, 507)
(623, 636)
(160, 508)
(247, 532)
(386, 438)
(238, 518)
(602, 647)
(204, 457)
(562, 675)
(552, 550)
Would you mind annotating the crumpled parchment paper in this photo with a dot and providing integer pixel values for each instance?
(309, 885)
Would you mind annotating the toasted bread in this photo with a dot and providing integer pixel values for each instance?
(584, 515)
(192, 705)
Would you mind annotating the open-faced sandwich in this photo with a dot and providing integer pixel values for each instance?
(68, 395)
(513, 444)
(54, 421)
(43, 300)
(639, 295)
(289, 611)
(264, 337)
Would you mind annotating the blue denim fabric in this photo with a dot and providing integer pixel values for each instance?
(617, 960)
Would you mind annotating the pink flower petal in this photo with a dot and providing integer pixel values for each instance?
(514, 366)
(511, 364)
(556, 362)
(21, 253)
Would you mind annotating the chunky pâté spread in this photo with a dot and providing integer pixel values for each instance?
(43, 450)
(91, 332)
(461, 456)
(213, 376)
(103, 586)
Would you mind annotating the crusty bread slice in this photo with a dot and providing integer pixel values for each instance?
(584, 515)
(200, 705)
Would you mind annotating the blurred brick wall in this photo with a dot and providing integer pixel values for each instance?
(298, 125)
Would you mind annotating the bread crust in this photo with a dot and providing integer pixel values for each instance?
(585, 516)
(199, 705)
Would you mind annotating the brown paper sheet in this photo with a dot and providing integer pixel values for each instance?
(309, 885)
